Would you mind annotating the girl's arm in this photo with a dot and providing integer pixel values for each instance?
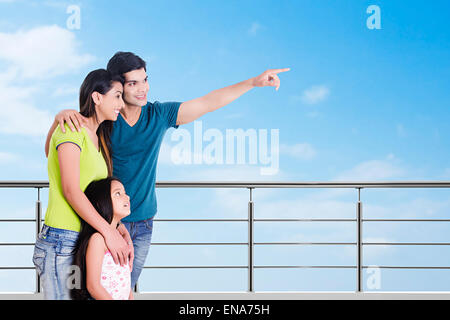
(131, 297)
(94, 259)
(69, 164)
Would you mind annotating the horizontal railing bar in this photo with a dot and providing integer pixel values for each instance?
(305, 243)
(268, 243)
(408, 243)
(255, 220)
(266, 267)
(406, 220)
(195, 267)
(343, 184)
(305, 220)
(24, 184)
(405, 267)
(200, 220)
(198, 243)
(261, 184)
(306, 267)
(271, 220)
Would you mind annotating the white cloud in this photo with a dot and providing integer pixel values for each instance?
(315, 94)
(372, 170)
(401, 132)
(302, 151)
(65, 91)
(20, 116)
(34, 56)
(7, 157)
(42, 52)
(446, 174)
(254, 28)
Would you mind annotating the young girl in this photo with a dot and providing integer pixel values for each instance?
(75, 159)
(101, 278)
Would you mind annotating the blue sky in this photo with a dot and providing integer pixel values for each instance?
(357, 105)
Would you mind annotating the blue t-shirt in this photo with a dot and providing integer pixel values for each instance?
(135, 154)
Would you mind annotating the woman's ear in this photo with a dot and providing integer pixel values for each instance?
(96, 97)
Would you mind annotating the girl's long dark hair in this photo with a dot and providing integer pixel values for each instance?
(99, 194)
(99, 81)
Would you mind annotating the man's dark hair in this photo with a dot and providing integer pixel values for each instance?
(123, 62)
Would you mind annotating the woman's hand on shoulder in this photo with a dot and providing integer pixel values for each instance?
(117, 246)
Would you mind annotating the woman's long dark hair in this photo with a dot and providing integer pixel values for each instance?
(99, 81)
(99, 194)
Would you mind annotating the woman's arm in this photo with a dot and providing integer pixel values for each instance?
(94, 259)
(126, 235)
(69, 164)
(49, 137)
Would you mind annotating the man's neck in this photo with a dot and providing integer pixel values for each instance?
(131, 114)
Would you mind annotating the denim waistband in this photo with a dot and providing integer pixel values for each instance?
(58, 233)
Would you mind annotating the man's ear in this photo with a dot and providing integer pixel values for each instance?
(97, 97)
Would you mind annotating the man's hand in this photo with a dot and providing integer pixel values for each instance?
(73, 118)
(269, 78)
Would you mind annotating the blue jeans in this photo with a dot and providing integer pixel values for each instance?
(141, 235)
(53, 255)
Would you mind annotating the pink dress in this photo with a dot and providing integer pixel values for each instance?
(116, 279)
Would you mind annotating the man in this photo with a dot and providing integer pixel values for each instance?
(137, 135)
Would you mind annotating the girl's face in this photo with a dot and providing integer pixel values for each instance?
(109, 105)
(120, 200)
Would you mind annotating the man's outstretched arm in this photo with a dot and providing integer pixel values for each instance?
(194, 109)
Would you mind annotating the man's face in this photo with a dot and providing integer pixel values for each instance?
(135, 88)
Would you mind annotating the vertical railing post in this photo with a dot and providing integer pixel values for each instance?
(359, 258)
(38, 229)
(250, 242)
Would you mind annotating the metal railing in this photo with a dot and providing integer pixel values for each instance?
(359, 244)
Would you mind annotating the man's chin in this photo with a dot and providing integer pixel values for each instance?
(136, 103)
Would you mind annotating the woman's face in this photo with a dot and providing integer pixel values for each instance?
(120, 200)
(109, 105)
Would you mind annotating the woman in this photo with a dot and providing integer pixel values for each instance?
(75, 159)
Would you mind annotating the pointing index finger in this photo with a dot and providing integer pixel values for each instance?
(280, 70)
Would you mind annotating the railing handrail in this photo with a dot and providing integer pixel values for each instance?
(250, 185)
(260, 184)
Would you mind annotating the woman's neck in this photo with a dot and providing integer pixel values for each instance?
(93, 123)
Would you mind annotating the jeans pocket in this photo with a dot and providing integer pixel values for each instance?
(39, 256)
(149, 224)
(66, 249)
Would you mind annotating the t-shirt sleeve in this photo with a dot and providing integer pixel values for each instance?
(73, 137)
(169, 112)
